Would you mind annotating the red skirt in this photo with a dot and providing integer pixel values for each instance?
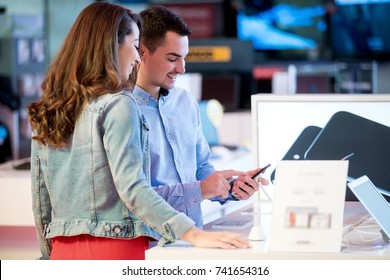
(88, 247)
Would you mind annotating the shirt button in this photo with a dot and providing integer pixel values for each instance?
(117, 230)
(106, 228)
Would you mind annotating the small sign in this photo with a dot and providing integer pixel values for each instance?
(209, 54)
(308, 206)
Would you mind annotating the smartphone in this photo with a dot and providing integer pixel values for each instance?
(254, 177)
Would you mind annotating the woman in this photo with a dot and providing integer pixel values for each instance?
(91, 198)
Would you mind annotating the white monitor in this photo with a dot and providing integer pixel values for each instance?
(279, 120)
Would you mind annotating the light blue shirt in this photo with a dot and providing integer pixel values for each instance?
(179, 153)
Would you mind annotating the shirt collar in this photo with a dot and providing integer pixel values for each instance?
(144, 97)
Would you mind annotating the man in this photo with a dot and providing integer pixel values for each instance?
(180, 170)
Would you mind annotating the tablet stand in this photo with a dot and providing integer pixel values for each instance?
(257, 232)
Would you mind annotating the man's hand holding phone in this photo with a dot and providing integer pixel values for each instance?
(245, 186)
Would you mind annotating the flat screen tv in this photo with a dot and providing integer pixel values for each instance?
(359, 29)
(282, 28)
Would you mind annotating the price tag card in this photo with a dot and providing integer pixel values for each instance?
(308, 206)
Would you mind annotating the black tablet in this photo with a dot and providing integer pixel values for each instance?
(365, 143)
(300, 145)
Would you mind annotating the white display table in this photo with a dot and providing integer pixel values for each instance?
(184, 251)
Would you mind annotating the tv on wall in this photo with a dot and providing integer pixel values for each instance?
(283, 28)
(359, 29)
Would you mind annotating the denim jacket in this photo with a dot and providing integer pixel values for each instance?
(99, 183)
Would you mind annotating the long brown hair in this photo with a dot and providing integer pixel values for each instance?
(85, 67)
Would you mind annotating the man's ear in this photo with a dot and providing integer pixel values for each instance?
(142, 50)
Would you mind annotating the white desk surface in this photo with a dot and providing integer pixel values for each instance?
(184, 251)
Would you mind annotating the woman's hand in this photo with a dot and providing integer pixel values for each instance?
(208, 239)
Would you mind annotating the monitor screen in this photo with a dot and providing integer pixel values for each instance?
(358, 29)
(283, 25)
(285, 126)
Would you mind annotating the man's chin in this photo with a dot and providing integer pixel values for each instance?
(168, 86)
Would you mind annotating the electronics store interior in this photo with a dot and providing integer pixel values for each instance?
(299, 86)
